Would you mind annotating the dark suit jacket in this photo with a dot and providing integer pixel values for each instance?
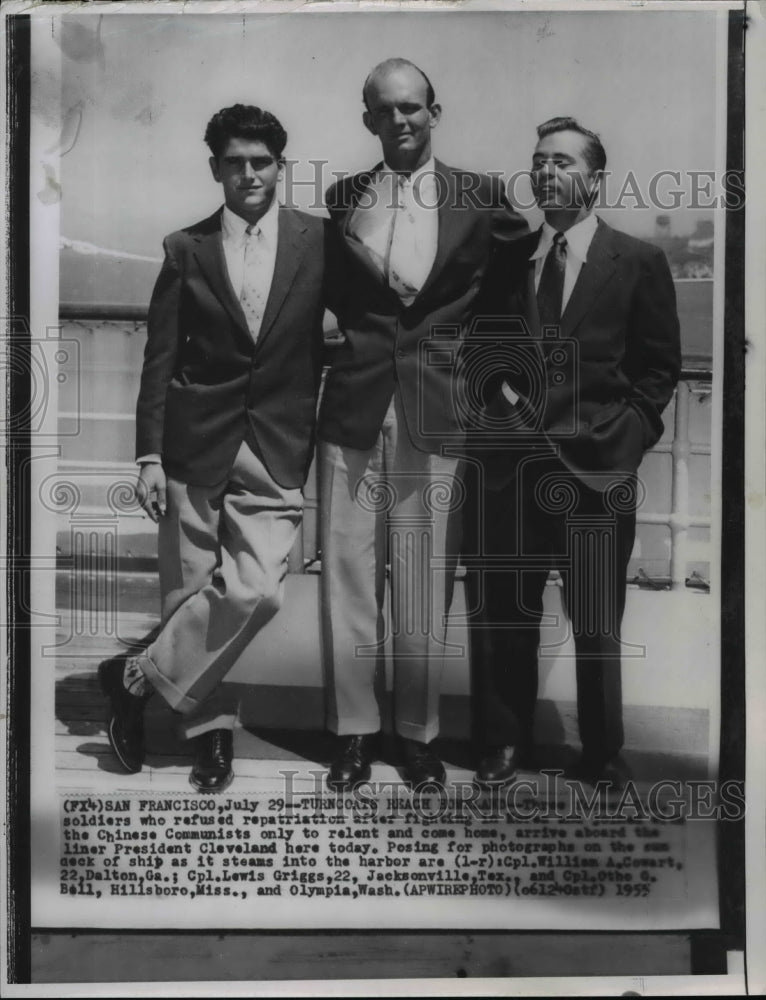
(206, 386)
(604, 395)
(385, 341)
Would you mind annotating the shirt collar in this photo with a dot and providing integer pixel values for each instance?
(234, 226)
(578, 238)
(427, 169)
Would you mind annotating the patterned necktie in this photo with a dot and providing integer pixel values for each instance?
(550, 291)
(402, 248)
(252, 297)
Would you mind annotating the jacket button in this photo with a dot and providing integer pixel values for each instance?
(400, 354)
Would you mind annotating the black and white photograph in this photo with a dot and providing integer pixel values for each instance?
(380, 464)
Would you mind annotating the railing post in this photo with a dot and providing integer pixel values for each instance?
(679, 509)
(295, 558)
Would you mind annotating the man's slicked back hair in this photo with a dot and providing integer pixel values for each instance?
(595, 154)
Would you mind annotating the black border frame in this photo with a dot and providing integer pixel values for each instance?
(708, 948)
(17, 583)
(731, 834)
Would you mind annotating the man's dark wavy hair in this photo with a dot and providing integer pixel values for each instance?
(243, 121)
(595, 154)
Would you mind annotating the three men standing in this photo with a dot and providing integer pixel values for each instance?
(225, 426)
(417, 236)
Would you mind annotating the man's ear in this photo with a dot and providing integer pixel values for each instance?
(369, 122)
(595, 184)
(435, 111)
(214, 169)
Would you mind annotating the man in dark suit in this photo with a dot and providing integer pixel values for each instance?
(584, 325)
(224, 437)
(417, 236)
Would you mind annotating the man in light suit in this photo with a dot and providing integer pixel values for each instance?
(417, 236)
(224, 437)
(589, 314)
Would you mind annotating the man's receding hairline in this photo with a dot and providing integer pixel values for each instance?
(388, 67)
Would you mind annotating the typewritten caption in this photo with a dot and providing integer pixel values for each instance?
(312, 846)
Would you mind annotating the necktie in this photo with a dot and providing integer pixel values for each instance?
(550, 291)
(401, 262)
(252, 297)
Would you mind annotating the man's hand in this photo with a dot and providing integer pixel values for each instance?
(502, 403)
(151, 490)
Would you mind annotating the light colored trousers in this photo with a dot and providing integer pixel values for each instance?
(223, 559)
(396, 504)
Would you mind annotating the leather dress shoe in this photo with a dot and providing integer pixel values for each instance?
(421, 764)
(351, 765)
(212, 770)
(499, 766)
(125, 726)
(613, 773)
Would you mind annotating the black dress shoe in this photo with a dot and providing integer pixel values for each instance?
(125, 726)
(612, 775)
(351, 766)
(499, 766)
(421, 764)
(212, 770)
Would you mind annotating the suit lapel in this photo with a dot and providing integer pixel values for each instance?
(517, 277)
(448, 235)
(212, 262)
(291, 246)
(527, 285)
(210, 257)
(448, 225)
(359, 184)
(532, 312)
(595, 272)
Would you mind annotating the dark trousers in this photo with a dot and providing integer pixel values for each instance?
(546, 518)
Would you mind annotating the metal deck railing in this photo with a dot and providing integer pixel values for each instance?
(94, 518)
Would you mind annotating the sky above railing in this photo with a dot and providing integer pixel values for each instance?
(137, 92)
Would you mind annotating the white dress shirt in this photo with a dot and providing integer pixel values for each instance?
(397, 221)
(578, 241)
(234, 235)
